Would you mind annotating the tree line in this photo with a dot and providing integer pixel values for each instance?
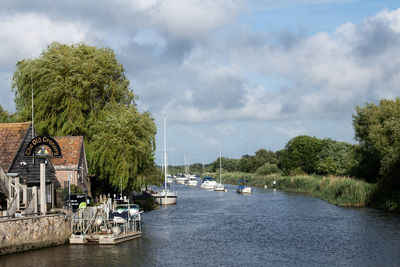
(374, 159)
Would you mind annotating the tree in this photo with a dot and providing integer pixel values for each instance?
(301, 154)
(268, 168)
(377, 128)
(122, 147)
(246, 163)
(263, 156)
(336, 158)
(71, 85)
(228, 164)
(4, 115)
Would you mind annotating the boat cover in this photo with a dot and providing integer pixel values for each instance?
(123, 214)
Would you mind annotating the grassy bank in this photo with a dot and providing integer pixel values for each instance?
(341, 191)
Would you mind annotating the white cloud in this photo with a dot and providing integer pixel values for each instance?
(389, 18)
(192, 19)
(329, 73)
(291, 131)
(27, 35)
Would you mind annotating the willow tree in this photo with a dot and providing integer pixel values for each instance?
(71, 84)
(82, 90)
(122, 147)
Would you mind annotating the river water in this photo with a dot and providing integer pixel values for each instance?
(266, 228)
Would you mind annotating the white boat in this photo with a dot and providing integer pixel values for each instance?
(208, 183)
(220, 186)
(192, 181)
(242, 189)
(166, 196)
(181, 179)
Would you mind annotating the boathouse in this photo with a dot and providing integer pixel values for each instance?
(20, 174)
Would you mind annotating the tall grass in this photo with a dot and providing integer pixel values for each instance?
(341, 191)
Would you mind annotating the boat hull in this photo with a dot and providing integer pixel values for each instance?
(165, 197)
(162, 200)
(220, 188)
(245, 190)
(192, 183)
(180, 180)
(209, 185)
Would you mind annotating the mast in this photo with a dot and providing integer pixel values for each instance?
(220, 167)
(165, 157)
(203, 168)
(33, 135)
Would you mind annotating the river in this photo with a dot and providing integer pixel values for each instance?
(266, 228)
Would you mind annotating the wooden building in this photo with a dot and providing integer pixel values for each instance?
(20, 175)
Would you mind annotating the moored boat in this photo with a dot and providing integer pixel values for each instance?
(220, 186)
(242, 189)
(166, 196)
(181, 179)
(192, 181)
(208, 183)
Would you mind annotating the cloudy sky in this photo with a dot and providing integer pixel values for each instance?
(231, 74)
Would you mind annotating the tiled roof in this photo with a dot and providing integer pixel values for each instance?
(11, 138)
(70, 150)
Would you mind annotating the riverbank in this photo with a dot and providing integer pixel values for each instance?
(341, 191)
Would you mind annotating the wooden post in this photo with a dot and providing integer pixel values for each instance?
(35, 199)
(18, 189)
(25, 195)
(53, 198)
(43, 207)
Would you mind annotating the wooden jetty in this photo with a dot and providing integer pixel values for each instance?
(104, 225)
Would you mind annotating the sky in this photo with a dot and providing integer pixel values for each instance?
(231, 75)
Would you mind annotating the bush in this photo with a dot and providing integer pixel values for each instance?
(268, 168)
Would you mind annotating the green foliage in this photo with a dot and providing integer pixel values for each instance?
(227, 164)
(336, 158)
(246, 163)
(71, 84)
(122, 147)
(251, 163)
(377, 128)
(268, 168)
(4, 115)
(74, 189)
(301, 152)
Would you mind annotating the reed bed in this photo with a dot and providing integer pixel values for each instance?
(341, 191)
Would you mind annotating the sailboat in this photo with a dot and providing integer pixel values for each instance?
(166, 196)
(220, 186)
